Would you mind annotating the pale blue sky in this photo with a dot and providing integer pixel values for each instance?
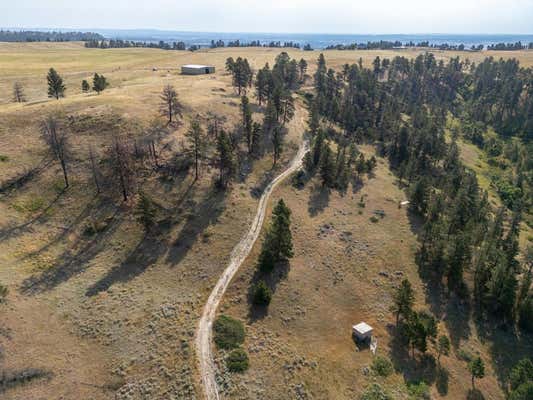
(332, 16)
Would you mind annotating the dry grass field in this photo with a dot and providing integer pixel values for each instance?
(113, 315)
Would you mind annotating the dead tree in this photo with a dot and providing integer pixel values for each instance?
(171, 107)
(94, 168)
(152, 136)
(55, 134)
(18, 93)
(122, 164)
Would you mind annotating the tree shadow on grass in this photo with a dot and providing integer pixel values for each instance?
(85, 212)
(71, 263)
(506, 346)
(146, 253)
(20, 180)
(420, 367)
(443, 377)
(199, 218)
(318, 200)
(14, 231)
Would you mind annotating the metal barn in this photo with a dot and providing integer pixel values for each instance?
(195, 69)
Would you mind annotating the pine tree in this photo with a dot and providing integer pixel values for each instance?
(226, 161)
(85, 87)
(56, 88)
(327, 167)
(277, 143)
(262, 295)
(146, 211)
(247, 122)
(171, 106)
(302, 65)
(404, 299)
(443, 346)
(100, 83)
(197, 143)
(277, 245)
(477, 369)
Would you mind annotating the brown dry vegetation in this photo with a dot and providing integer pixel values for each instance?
(119, 309)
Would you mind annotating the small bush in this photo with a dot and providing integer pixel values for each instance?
(382, 366)
(228, 332)
(30, 206)
(3, 293)
(418, 391)
(237, 361)
(262, 294)
(94, 227)
(375, 392)
(374, 219)
(4, 158)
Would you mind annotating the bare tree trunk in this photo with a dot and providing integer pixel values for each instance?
(65, 175)
(95, 172)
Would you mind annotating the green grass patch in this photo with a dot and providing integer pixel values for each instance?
(228, 332)
(31, 205)
(4, 158)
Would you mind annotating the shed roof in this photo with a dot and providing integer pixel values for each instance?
(196, 66)
(362, 328)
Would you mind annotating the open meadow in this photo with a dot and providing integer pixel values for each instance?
(106, 311)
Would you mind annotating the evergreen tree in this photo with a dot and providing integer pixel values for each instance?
(85, 87)
(277, 143)
(56, 88)
(171, 106)
(226, 161)
(443, 346)
(197, 142)
(403, 301)
(100, 83)
(262, 295)
(247, 122)
(327, 167)
(146, 211)
(302, 65)
(477, 369)
(277, 245)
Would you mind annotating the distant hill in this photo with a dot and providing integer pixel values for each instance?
(52, 36)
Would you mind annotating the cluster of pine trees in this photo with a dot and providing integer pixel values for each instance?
(403, 105)
(273, 90)
(276, 249)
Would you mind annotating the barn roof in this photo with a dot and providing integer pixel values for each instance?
(196, 66)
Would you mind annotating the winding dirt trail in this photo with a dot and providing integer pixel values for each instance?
(238, 255)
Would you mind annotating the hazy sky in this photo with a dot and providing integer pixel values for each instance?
(332, 16)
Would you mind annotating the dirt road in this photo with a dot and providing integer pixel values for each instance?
(238, 255)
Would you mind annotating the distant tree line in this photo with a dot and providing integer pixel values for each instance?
(120, 44)
(510, 46)
(36, 36)
(255, 43)
(387, 45)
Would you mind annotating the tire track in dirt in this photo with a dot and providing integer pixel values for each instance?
(238, 255)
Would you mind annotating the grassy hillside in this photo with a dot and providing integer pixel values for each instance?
(110, 311)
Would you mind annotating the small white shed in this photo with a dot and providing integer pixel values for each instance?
(362, 331)
(196, 69)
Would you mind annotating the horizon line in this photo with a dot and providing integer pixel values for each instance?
(71, 29)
